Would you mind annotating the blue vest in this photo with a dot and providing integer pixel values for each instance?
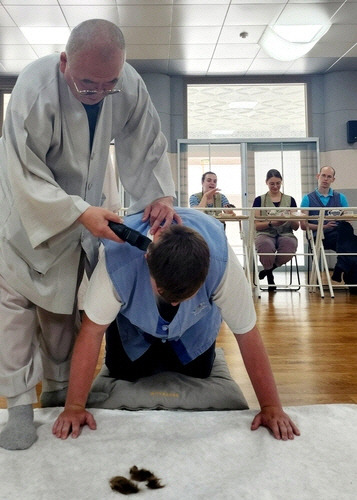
(197, 321)
(315, 201)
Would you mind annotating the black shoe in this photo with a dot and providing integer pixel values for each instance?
(271, 281)
(337, 274)
(265, 272)
(262, 274)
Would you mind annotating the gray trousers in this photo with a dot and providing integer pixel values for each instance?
(275, 245)
(35, 345)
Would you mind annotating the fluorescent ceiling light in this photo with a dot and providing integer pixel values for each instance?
(242, 104)
(298, 33)
(287, 43)
(46, 36)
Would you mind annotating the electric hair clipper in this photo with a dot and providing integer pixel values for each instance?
(130, 235)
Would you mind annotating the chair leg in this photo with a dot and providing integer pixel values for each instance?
(290, 286)
(297, 273)
(315, 277)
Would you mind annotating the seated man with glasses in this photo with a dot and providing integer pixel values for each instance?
(337, 235)
(64, 112)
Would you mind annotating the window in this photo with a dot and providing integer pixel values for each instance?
(249, 111)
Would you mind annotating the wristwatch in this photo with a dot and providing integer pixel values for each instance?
(270, 224)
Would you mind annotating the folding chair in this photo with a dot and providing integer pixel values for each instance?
(278, 287)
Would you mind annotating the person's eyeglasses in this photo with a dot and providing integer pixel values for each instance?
(96, 92)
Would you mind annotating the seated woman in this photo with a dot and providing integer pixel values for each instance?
(210, 197)
(275, 236)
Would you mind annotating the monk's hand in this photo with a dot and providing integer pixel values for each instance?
(96, 220)
(161, 210)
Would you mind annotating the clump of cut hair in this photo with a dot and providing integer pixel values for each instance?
(128, 486)
(178, 262)
(95, 34)
(153, 482)
(123, 485)
(140, 474)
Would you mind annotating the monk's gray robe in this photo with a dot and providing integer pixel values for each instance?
(49, 176)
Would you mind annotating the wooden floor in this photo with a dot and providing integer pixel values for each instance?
(312, 345)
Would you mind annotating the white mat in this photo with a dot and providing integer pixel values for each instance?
(198, 455)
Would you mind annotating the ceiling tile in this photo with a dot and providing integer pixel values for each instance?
(234, 50)
(268, 66)
(14, 67)
(192, 15)
(332, 49)
(45, 50)
(142, 35)
(147, 15)
(180, 36)
(229, 66)
(98, 3)
(5, 19)
(251, 14)
(148, 52)
(309, 65)
(12, 51)
(352, 52)
(198, 51)
(230, 34)
(193, 67)
(30, 2)
(261, 1)
(322, 1)
(194, 34)
(345, 64)
(12, 35)
(142, 2)
(341, 33)
(36, 15)
(319, 12)
(76, 14)
(201, 2)
(346, 14)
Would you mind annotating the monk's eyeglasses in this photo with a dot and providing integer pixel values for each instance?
(104, 93)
